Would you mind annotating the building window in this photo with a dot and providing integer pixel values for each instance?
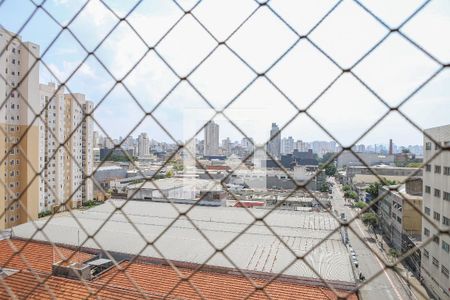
(445, 247)
(435, 262)
(427, 211)
(428, 167)
(437, 216)
(427, 189)
(437, 193)
(444, 271)
(436, 239)
(446, 221)
(426, 231)
(426, 254)
(437, 169)
(428, 146)
(446, 170)
(446, 196)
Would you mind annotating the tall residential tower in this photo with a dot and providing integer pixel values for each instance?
(19, 130)
(274, 145)
(211, 139)
(66, 149)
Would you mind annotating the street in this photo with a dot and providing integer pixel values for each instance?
(387, 284)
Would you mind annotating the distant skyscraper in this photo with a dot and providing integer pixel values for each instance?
(274, 146)
(143, 145)
(247, 144)
(287, 145)
(226, 146)
(211, 139)
(391, 147)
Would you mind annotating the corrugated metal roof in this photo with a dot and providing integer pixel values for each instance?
(256, 248)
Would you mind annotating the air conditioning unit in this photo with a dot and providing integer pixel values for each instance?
(72, 270)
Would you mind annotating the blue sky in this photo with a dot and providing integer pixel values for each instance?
(346, 110)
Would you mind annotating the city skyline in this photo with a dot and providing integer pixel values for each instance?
(375, 148)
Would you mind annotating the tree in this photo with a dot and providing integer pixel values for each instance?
(330, 170)
(346, 187)
(350, 194)
(373, 189)
(360, 204)
(393, 253)
(169, 174)
(388, 182)
(370, 219)
(414, 165)
(324, 188)
(326, 157)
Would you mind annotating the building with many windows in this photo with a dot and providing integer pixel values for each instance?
(143, 145)
(400, 213)
(274, 145)
(435, 264)
(19, 131)
(211, 147)
(65, 148)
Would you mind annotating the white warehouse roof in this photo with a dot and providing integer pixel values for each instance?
(256, 248)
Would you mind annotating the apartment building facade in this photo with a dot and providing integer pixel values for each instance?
(401, 213)
(435, 263)
(36, 173)
(19, 131)
(211, 146)
(65, 148)
(79, 152)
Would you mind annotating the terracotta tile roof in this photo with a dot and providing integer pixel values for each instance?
(26, 285)
(34, 255)
(161, 280)
(155, 281)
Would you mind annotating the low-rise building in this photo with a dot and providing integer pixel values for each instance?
(347, 158)
(314, 236)
(400, 212)
(179, 190)
(33, 274)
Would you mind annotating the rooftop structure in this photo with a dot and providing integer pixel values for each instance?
(180, 190)
(257, 249)
(142, 280)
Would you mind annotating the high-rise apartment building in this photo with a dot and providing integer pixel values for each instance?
(64, 121)
(51, 155)
(287, 145)
(435, 261)
(143, 145)
(274, 145)
(19, 131)
(226, 146)
(211, 139)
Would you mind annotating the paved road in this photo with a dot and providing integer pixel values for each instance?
(386, 285)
